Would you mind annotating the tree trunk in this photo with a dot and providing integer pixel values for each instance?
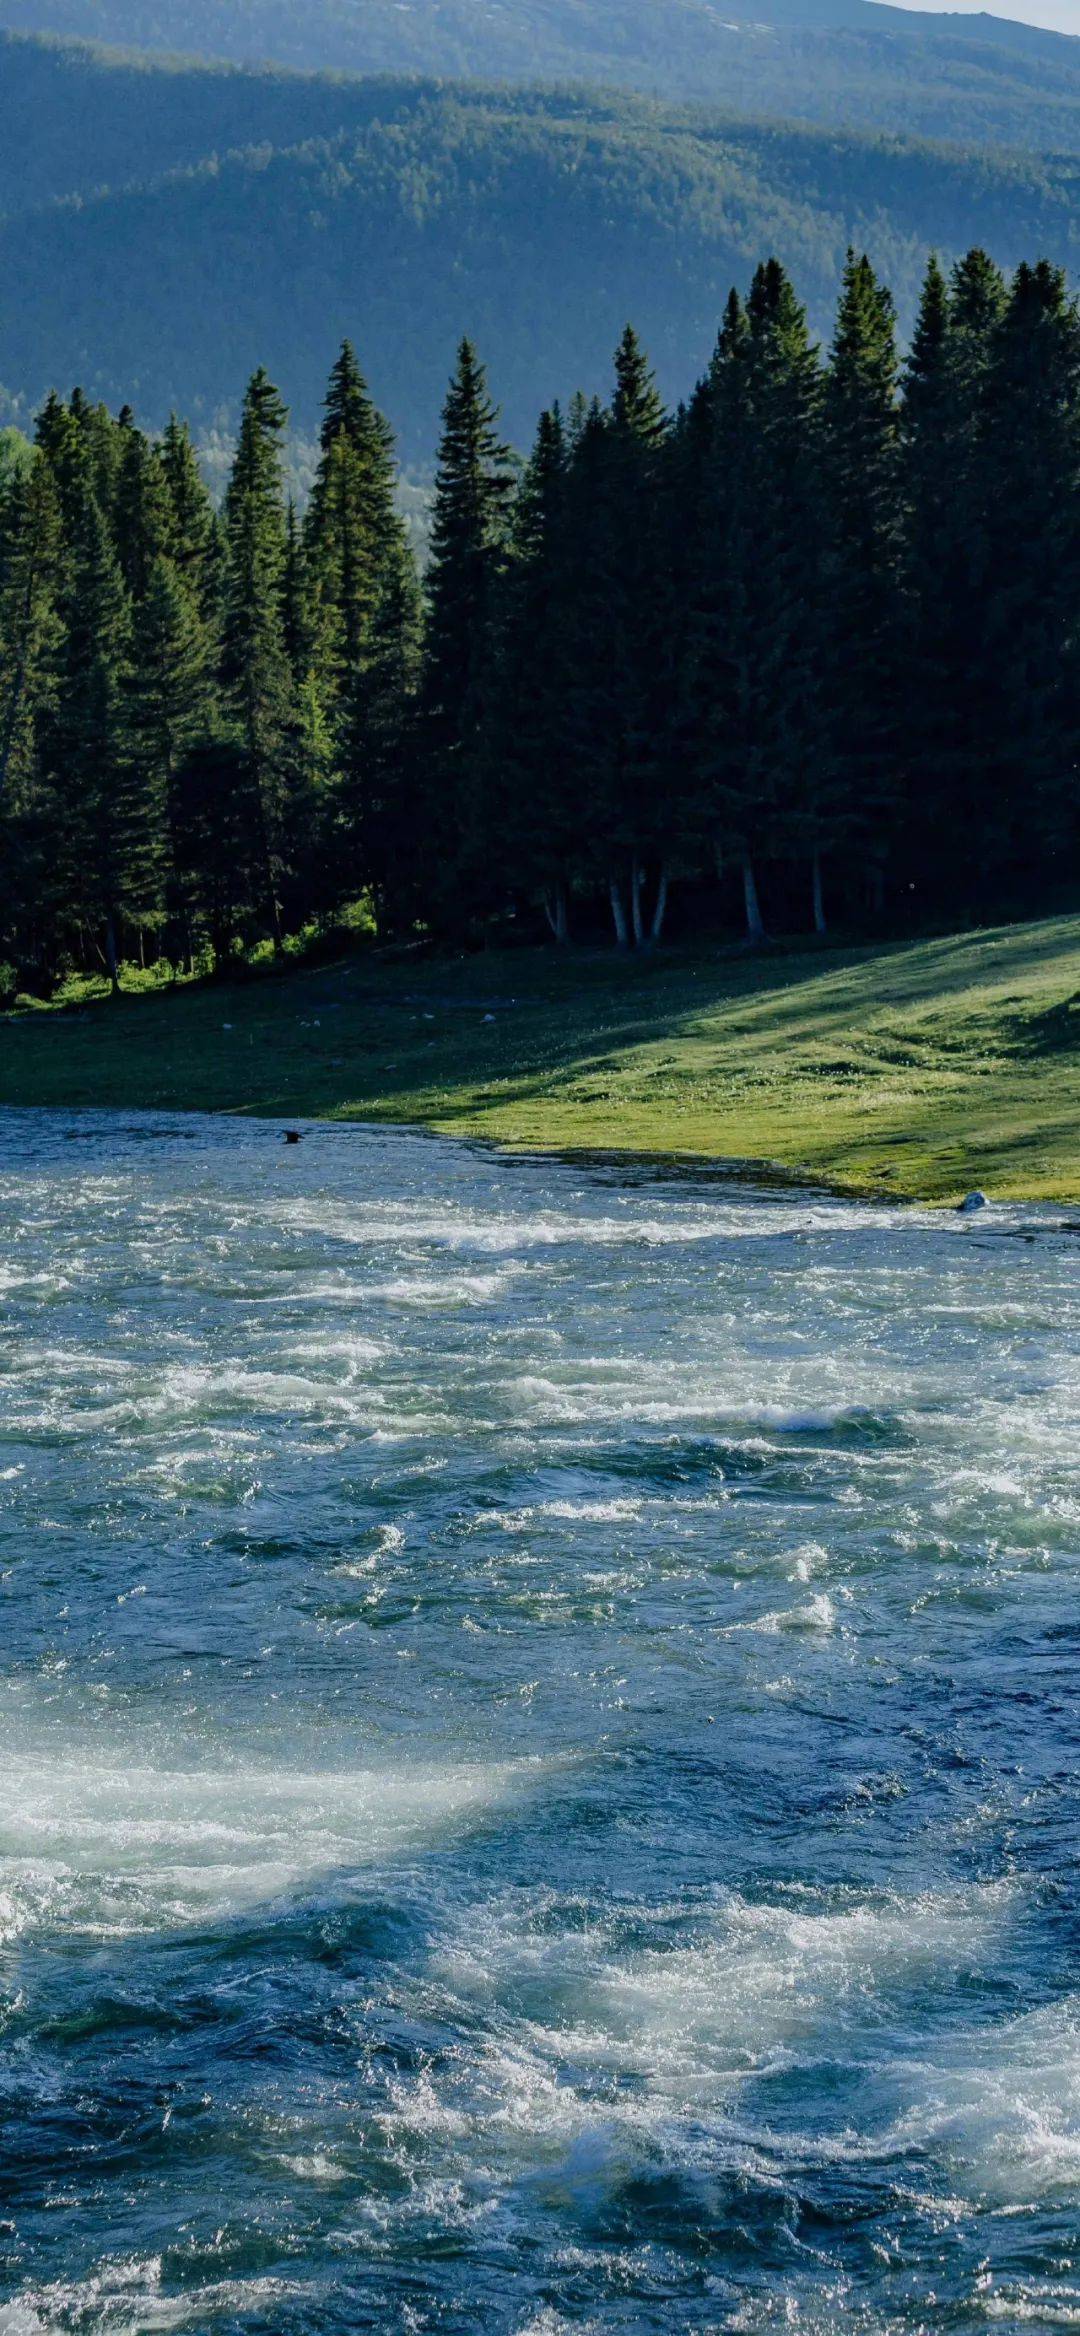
(618, 911)
(659, 906)
(820, 925)
(556, 913)
(755, 930)
(637, 879)
(110, 956)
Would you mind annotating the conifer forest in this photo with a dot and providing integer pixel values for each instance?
(807, 649)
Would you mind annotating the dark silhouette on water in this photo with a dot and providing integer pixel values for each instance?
(292, 1135)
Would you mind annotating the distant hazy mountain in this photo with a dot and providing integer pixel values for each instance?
(844, 61)
(216, 219)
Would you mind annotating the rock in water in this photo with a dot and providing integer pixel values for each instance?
(970, 1203)
(292, 1135)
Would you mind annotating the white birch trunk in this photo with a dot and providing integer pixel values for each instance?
(618, 911)
(110, 956)
(637, 879)
(820, 924)
(755, 930)
(659, 906)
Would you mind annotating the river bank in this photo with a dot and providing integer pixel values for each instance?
(915, 1069)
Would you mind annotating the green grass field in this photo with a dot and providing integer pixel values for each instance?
(917, 1068)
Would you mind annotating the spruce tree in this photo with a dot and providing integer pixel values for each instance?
(539, 809)
(142, 511)
(789, 788)
(862, 479)
(945, 573)
(30, 583)
(353, 524)
(638, 816)
(473, 488)
(1029, 673)
(256, 666)
(723, 812)
(106, 814)
(196, 543)
(359, 568)
(171, 710)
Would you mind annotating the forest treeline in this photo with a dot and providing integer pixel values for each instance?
(812, 639)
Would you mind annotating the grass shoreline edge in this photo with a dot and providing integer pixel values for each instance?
(910, 1070)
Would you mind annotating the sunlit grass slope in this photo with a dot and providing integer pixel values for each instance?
(919, 1068)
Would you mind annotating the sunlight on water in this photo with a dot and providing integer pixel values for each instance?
(538, 1747)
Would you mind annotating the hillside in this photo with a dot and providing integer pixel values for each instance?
(536, 221)
(918, 1068)
(838, 61)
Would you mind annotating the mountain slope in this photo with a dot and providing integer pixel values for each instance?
(536, 223)
(844, 61)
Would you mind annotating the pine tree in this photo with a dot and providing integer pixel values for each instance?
(945, 566)
(638, 816)
(256, 666)
(62, 445)
(196, 543)
(791, 796)
(1025, 724)
(142, 510)
(539, 812)
(353, 524)
(106, 816)
(30, 581)
(587, 698)
(379, 747)
(359, 567)
(862, 477)
(473, 489)
(723, 810)
(171, 710)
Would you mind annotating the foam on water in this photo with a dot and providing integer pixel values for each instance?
(538, 1756)
(110, 1850)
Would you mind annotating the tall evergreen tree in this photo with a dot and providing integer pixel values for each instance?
(862, 477)
(30, 582)
(724, 809)
(142, 511)
(473, 488)
(196, 536)
(256, 666)
(353, 525)
(638, 816)
(945, 564)
(539, 811)
(360, 569)
(171, 710)
(106, 815)
(1029, 675)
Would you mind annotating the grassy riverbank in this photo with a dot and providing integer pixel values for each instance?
(918, 1068)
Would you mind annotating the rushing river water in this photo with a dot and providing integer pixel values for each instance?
(538, 1747)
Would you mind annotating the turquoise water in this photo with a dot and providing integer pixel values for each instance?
(538, 1747)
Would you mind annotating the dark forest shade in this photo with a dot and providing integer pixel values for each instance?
(815, 638)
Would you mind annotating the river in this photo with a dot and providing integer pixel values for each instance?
(538, 1746)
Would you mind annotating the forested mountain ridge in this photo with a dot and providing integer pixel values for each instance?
(539, 220)
(844, 61)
